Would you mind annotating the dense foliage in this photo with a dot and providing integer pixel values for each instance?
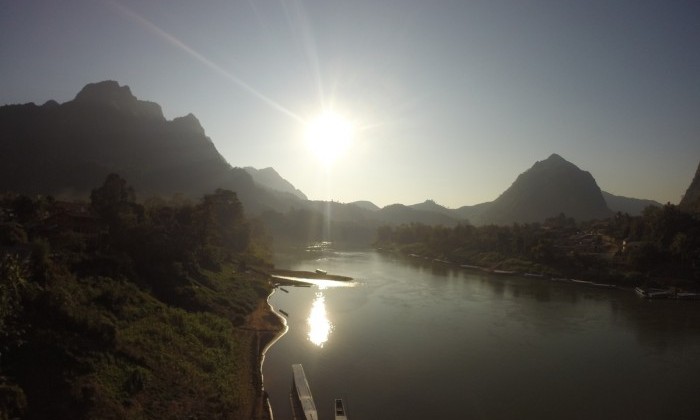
(662, 247)
(116, 309)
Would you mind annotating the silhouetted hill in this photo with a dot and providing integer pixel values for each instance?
(341, 212)
(269, 178)
(473, 214)
(398, 214)
(432, 206)
(367, 205)
(691, 199)
(550, 187)
(631, 206)
(67, 149)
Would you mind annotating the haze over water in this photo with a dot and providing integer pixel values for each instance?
(416, 340)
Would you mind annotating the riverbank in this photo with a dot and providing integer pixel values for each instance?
(550, 274)
(266, 326)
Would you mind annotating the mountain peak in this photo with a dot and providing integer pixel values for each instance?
(269, 171)
(429, 205)
(556, 158)
(189, 123)
(110, 93)
(549, 187)
(105, 92)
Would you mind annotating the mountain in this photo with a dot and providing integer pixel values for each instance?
(691, 199)
(550, 187)
(398, 214)
(631, 206)
(269, 178)
(432, 206)
(367, 205)
(68, 149)
(473, 214)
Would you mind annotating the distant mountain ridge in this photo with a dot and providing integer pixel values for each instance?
(550, 187)
(631, 206)
(69, 148)
(269, 178)
(367, 205)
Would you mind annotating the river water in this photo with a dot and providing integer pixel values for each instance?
(419, 340)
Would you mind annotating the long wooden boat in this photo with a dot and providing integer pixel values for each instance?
(303, 405)
(340, 410)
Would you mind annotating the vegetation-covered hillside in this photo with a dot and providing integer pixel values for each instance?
(115, 309)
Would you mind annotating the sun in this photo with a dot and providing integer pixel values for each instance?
(328, 136)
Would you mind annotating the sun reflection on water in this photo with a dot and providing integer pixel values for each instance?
(319, 325)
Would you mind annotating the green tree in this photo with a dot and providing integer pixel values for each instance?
(222, 229)
(115, 202)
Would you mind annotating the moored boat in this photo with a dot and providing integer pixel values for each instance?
(319, 271)
(504, 272)
(340, 410)
(654, 293)
(303, 406)
(687, 295)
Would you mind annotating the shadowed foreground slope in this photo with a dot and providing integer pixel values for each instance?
(116, 310)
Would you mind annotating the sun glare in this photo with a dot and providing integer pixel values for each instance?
(319, 325)
(328, 136)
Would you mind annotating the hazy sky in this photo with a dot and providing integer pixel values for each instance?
(452, 99)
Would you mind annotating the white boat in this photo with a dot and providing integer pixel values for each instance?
(303, 405)
(688, 295)
(658, 293)
(653, 293)
(319, 271)
(340, 410)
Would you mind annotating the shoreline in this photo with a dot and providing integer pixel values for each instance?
(268, 326)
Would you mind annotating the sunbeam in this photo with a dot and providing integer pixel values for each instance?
(202, 59)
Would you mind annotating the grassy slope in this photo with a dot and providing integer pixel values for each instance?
(104, 348)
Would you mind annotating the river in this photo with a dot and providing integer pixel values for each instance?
(419, 340)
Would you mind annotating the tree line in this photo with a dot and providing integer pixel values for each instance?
(661, 246)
